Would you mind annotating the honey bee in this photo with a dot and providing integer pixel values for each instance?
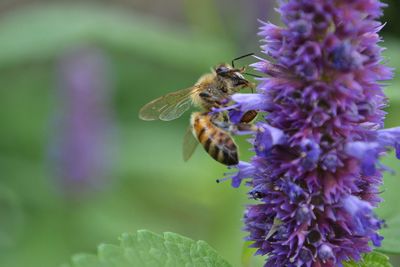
(212, 130)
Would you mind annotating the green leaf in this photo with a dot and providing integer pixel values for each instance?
(373, 259)
(149, 249)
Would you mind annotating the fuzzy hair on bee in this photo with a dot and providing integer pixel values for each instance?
(211, 91)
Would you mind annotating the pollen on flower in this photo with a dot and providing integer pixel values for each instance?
(316, 166)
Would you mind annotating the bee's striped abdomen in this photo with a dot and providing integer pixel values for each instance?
(217, 142)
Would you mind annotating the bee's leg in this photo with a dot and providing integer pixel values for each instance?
(249, 116)
(242, 129)
(206, 97)
(223, 125)
(247, 127)
(225, 117)
(251, 85)
(221, 121)
(210, 99)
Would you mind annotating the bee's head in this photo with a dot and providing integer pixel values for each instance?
(223, 70)
(235, 75)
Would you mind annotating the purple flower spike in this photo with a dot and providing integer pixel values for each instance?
(316, 170)
(82, 148)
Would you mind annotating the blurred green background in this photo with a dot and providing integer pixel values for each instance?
(77, 165)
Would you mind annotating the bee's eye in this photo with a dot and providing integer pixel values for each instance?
(222, 70)
(224, 89)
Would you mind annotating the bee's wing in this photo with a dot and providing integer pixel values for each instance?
(189, 144)
(168, 107)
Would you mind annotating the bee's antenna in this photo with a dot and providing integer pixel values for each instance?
(247, 55)
(253, 75)
(252, 89)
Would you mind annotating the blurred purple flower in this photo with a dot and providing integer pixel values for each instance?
(324, 104)
(82, 147)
